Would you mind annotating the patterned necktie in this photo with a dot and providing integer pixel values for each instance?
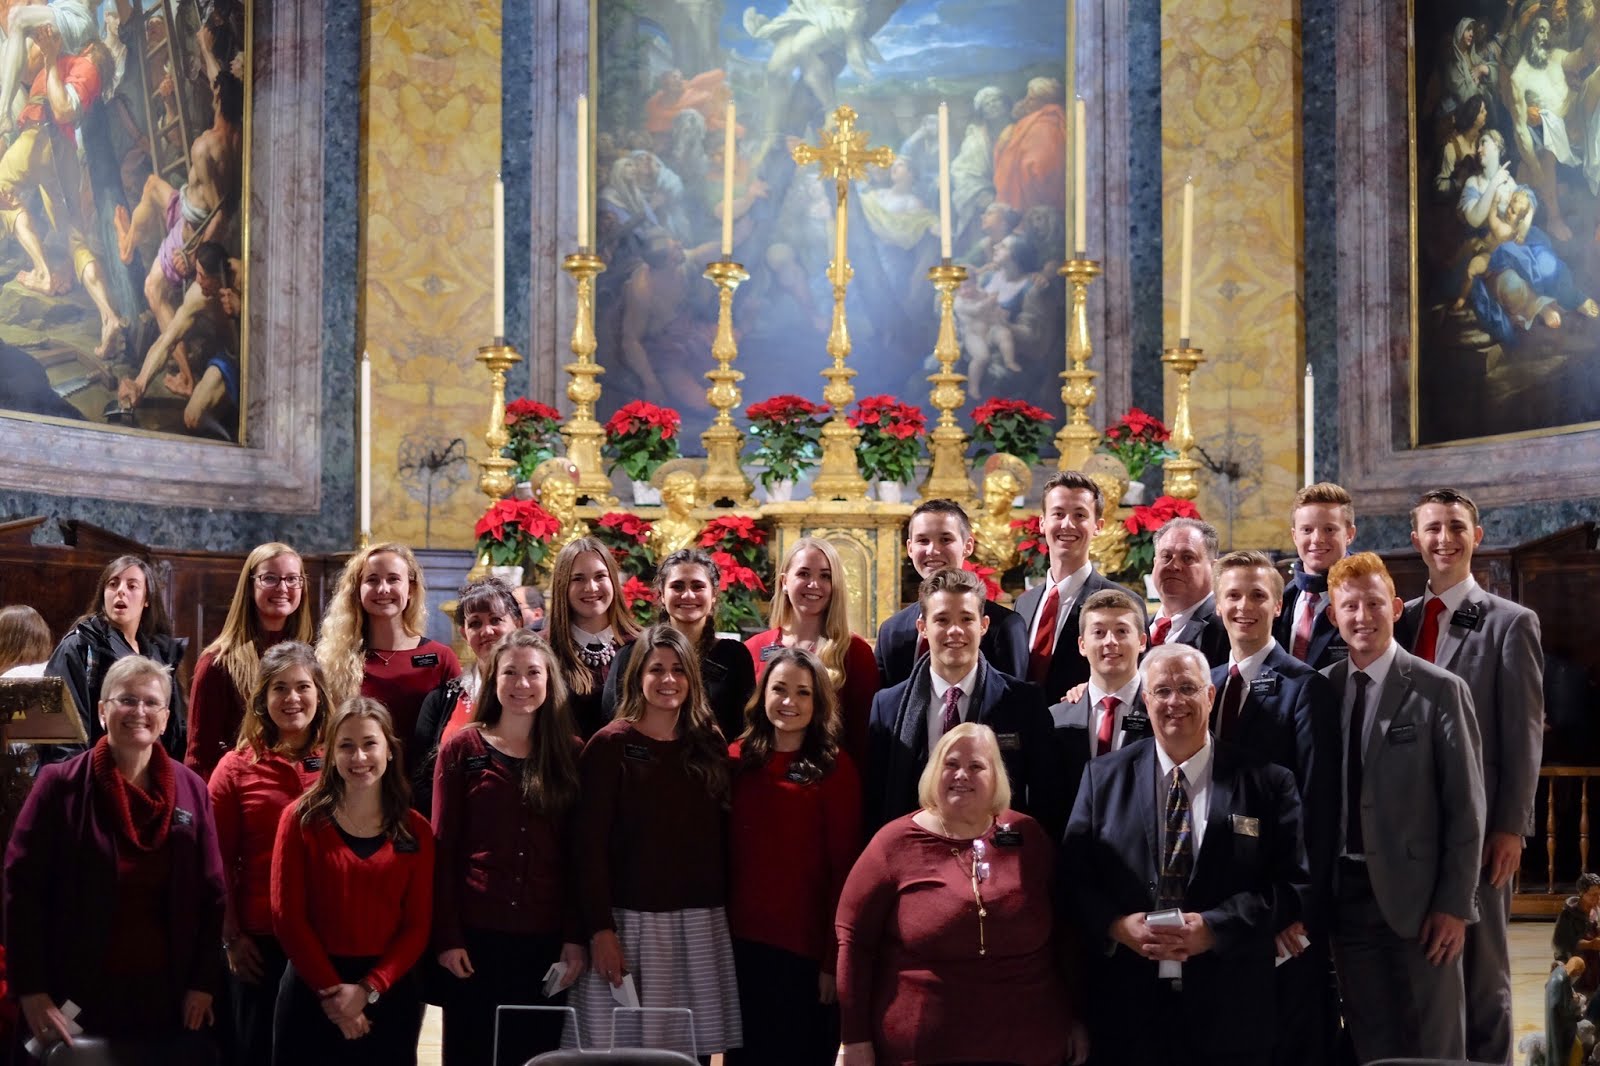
(1044, 641)
(1232, 703)
(1177, 860)
(1158, 636)
(1428, 639)
(950, 717)
(1108, 724)
(1302, 632)
(1354, 844)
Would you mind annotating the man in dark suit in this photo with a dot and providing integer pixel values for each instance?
(1412, 830)
(939, 537)
(1493, 645)
(1108, 714)
(1322, 524)
(1282, 711)
(1181, 861)
(953, 683)
(1185, 550)
(1074, 511)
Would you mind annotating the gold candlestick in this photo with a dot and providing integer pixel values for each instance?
(724, 478)
(1178, 474)
(947, 472)
(495, 478)
(582, 432)
(1077, 438)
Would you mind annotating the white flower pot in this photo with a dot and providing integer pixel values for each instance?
(523, 491)
(891, 491)
(646, 494)
(781, 491)
(511, 575)
(1135, 496)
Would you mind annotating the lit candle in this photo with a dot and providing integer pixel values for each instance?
(1310, 446)
(366, 444)
(1080, 183)
(499, 258)
(1186, 277)
(727, 186)
(944, 180)
(583, 171)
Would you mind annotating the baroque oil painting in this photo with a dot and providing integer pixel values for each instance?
(1507, 232)
(666, 71)
(122, 180)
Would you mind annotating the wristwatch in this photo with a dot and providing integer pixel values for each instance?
(372, 993)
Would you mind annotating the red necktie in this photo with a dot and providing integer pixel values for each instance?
(1428, 639)
(1232, 703)
(1108, 722)
(1044, 641)
(1158, 636)
(950, 717)
(1302, 632)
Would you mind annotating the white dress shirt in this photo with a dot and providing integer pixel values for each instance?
(1126, 695)
(1449, 636)
(936, 709)
(1179, 620)
(1250, 667)
(1378, 671)
(1068, 589)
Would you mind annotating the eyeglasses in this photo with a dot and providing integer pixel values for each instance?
(131, 703)
(288, 581)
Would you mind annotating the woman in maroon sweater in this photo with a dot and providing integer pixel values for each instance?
(504, 786)
(652, 873)
(352, 900)
(796, 831)
(946, 932)
(278, 757)
(268, 606)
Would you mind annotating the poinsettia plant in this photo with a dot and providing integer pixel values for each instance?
(787, 431)
(1015, 427)
(639, 597)
(515, 532)
(891, 438)
(1031, 547)
(737, 545)
(639, 438)
(627, 537)
(986, 574)
(1139, 440)
(534, 430)
(1142, 525)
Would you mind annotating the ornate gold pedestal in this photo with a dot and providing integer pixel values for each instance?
(870, 542)
(947, 472)
(724, 477)
(1077, 439)
(582, 432)
(1178, 474)
(495, 469)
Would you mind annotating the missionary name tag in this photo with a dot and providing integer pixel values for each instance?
(311, 765)
(769, 651)
(1402, 734)
(427, 659)
(1470, 616)
(181, 817)
(1136, 724)
(1007, 837)
(476, 762)
(1265, 685)
(1244, 826)
(636, 752)
(1008, 741)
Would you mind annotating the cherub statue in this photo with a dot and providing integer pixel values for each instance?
(680, 490)
(1005, 477)
(555, 481)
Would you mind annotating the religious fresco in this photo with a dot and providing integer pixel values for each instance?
(1507, 238)
(122, 185)
(666, 70)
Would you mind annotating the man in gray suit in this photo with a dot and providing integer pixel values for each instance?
(1185, 550)
(1493, 645)
(1411, 829)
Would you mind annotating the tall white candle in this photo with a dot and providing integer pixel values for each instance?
(499, 258)
(727, 185)
(1186, 277)
(944, 180)
(583, 171)
(366, 444)
(1310, 446)
(1080, 182)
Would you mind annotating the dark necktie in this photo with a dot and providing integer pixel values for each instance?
(1044, 640)
(950, 717)
(1302, 632)
(1353, 842)
(1232, 703)
(1108, 724)
(1428, 639)
(1177, 860)
(1158, 636)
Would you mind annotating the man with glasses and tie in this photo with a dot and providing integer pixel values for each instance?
(1185, 549)
(1411, 838)
(1322, 525)
(1181, 862)
(1493, 645)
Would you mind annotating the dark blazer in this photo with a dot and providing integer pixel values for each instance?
(81, 660)
(1068, 667)
(1327, 646)
(1204, 630)
(1005, 645)
(61, 881)
(1072, 719)
(1290, 718)
(897, 747)
(1246, 884)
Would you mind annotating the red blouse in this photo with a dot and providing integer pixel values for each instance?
(248, 797)
(855, 695)
(400, 680)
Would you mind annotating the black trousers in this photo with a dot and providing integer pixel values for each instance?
(508, 970)
(303, 1036)
(784, 1023)
(253, 1004)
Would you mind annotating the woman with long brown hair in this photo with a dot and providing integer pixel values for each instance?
(24, 642)
(352, 902)
(268, 606)
(588, 624)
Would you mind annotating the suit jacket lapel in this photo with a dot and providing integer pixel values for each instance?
(1466, 634)
(1197, 621)
(1146, 779)
(1395, 687)
(1219, 805)
(1411, 622)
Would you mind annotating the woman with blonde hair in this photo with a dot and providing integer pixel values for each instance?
(278, 757)
(588, 623)
(373, 641)
(810, 610)
(268, 606)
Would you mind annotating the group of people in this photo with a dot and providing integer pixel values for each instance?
(996, 836)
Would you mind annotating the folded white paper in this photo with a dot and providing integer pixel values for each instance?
(1285, 957)
(69, 1011)
(626, 994)
(553, 978)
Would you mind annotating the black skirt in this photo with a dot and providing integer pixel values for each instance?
(303, 1035)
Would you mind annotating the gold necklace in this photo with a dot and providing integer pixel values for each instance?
(977, 873)
(382, 658)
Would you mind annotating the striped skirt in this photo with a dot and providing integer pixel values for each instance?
(678, 959)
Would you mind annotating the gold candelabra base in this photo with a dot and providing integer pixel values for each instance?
(947, 469)
(494, 476)
(1178, 475)
(583, 434)
(1077, 439)
(724, 481)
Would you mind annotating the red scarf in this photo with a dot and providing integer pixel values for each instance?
(141, 819)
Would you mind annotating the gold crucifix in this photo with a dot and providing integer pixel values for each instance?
(842, 155)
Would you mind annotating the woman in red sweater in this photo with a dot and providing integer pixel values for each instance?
(946, 930)
(796, 832)
(268, 606)
(504, 786)
(278, 757)
(352, 900)
(810, 610)
(652, 869)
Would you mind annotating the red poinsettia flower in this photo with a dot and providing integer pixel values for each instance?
(636, 591)
(625, 524)
(522, 408)
(989, 410)
(991, 587)
(642, 414)
(732, 530)
(785, 408)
